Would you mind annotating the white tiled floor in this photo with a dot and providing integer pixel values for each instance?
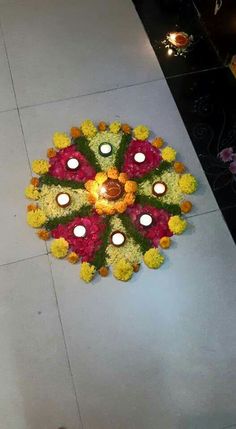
(157, 353)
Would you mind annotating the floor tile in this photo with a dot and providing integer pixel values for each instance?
(151, 104)
(164, 16)
(158, 352)
(7, 98)
(36, 387)
(60, 49)
(18, 241)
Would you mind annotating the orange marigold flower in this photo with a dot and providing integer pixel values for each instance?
(131, 186)
(89, 185)
(123, 177)
(34, 181)
(126, 128)
(129, 198)
(102, 126)
(165, 242)
(179, 167)
(51, 152)
(91, 199)
(136, 267)
(113, 173)
(32, 208)
(186, 206)
(121, 206)
(43, 234)
(72, 258)
(75, 132)
(158, 142)
(104, 271)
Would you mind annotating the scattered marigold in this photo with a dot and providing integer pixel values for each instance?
(102, 126)
(72, 258)
(168, 154)
(123, 270)
(51, 152)
(101, 177)
(188, 183)
(88, 128)
(75, 132)
(32, 208)
(87, 272)
(141, 132)
(115, 127)
(165, 242)
(36, 218)
(40, 166)
(126, 128)
(158, 142)
(131, 186)
(153, 258)
(186, 206)
(43, 234)
(177, 225)
(179, 167)
(104, 271)
(136, 267)
(61, 140)
(129, 198)
(59, 247)
(123, 177)
(31, 192)
(113, 173)
(34, 181)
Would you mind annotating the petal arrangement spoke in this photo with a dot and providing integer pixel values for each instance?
(108, 196)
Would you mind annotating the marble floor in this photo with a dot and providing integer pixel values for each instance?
(158, 352)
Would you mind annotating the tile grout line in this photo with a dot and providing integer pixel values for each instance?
(65, 345)
(22, 260)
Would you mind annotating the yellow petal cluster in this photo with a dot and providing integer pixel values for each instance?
(32, 192)
(115, 127)
(188, 183)
(88, 128)
(153, 258)
(141, 132)
(61, 140)
(168, 154)
(36, 218)
(177, 225)
(87, 272)
(123, 270)
(40, 166)
(59, 247)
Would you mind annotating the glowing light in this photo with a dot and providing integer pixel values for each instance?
(139, 157)
(63, 199)
(170, 51)
(118, 239)
(145, 220)
(79, 231)
(159, 188)
(72, 164)
(103, 190)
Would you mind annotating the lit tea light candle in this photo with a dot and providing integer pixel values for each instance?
(79, 231)
(118, 238)
(72, 164)
(63, 199)
(145, 220)
(139, 157)
(111, 189)
(179, 39)
(105, 149)
(159, 188)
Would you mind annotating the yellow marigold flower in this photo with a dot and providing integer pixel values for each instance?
(101, 177)
(131, 186)
(141, 132)
(34, 181)
(102, 126)
(43, 234)
(123, 177)
(40, 166)
(59, 248)
(115, 127)
(104, 271)
(136, 268)
(126, 128)
(72, 258)
(123, 270)
(75, 132)
(186, 206)
(120, 206)
(61, 140)
(88, 128)
(179, 167)
(113, 173)
(153, 258)
(36, 218)
(51, 152)
(165, 242)
(129, 198)
(177, 225)
(87, 272)
(88, 185)
(158, 142)
(188, 183)
(31, 192)
(168, 154)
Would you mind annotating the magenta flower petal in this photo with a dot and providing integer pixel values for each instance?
(226, 155)
(232, 167)
(152, 154)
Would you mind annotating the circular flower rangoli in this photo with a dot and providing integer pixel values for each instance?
(108, 196)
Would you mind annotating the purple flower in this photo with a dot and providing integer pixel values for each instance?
(232, 167)
(226, 154)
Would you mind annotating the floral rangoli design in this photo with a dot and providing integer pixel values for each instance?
(108, 196)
